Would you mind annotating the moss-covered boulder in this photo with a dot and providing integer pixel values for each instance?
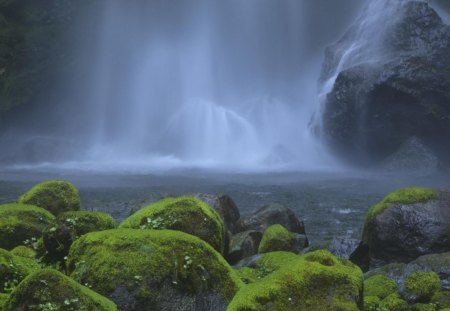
(153, 270)
(315, 281)
(441, 299)
(20, 223)
(379, 286)
(69, 227)
(56, 196)
(423, 307)
(24, 251)
(278, 238)
(187, 214)
(421, 286)
(371, 303)
(393, 302)
(51, 290)
(13, 269)
(408, 223)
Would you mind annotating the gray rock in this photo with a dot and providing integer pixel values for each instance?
(243, 244)
(379, 102)
(351, 249)
(403, 232)
(226, 208)
(269, 215)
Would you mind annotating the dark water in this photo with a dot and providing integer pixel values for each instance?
(331, 204)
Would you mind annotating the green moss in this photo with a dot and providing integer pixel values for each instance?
(139, 263)
(55, 196)
(393, 303)
(316, 281)
(276, 238)
(371, 303)
(248, 275)
(422, 285)
(53, 289)
(187, 214)
(20, 223)
(24, 251)
(14, 269)
(379, 286)
(69, 227)
(441, 299)
(402, 196)
(3, 298)
(423, 307)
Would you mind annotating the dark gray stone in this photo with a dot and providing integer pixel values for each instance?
(243, 244)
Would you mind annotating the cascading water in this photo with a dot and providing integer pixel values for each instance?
(199, 83)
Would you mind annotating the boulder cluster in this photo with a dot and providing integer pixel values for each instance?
(198, 253)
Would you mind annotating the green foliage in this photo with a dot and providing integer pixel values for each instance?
(56, 196)
(379, 286)
(316, 281)
(401, 196)
(393, 303)
(423, 285)
(20, 223)
(276, 238)
(141, 262)
(423, 307)
(187, 214)
(49, 289)
(13, 269)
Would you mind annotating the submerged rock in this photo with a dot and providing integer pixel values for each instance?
(153, 270)
(408, 223)
(187, 214)
(20, 223)
(55, 196)
(51, 290)
(269, 215)
(395, 87)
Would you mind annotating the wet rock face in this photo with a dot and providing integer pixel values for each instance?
(403, 232)
(379, 103)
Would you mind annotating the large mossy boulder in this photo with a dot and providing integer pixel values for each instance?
(421, 286)
(187, 214)
(13, 269)
(70, 226)
(56, 196)
(389, 88)
(51, 290)
(315, 281)
(20, 223)
(379, 286)
(153, 270)
(408, 223)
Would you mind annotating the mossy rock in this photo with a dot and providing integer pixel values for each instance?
(24, 251)
(276, 238)
(56, 196)
(393, 302)
(315, 281)
(51, 290)
(13, 269)
(402, 196)
(20, 223)
(69, 227)
(371, 303)
(441, 299)
(379, 286)
(423, 307)
(421, 286)
(155, 269)
(187, 214)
